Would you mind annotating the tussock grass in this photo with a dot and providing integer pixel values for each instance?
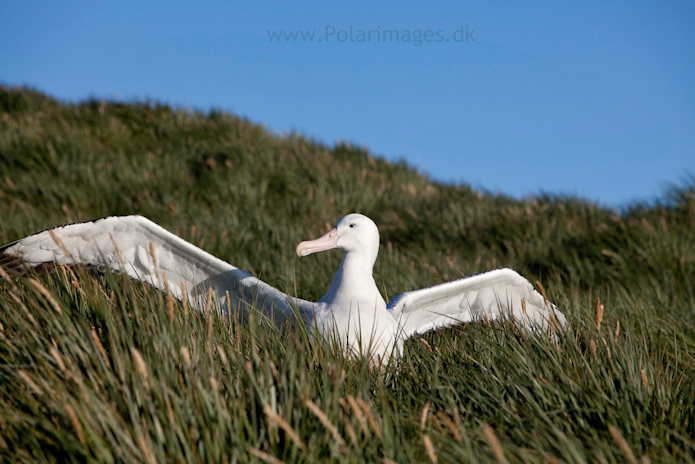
(94, 367)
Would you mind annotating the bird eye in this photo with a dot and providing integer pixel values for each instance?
(352, 225)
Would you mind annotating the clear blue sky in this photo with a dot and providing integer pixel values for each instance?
(595, 99)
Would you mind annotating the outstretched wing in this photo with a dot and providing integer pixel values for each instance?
(485, 296)
(138, 247)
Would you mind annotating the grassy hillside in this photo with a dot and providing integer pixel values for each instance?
(93, 367)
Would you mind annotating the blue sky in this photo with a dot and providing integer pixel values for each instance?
(594, 99)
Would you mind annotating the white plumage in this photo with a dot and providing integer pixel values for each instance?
(352, 311)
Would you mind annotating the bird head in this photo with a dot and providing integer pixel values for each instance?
(353, 233)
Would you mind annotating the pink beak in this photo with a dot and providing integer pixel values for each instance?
(328, 241)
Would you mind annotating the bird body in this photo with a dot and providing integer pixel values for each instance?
(352, 313)
(353, 310)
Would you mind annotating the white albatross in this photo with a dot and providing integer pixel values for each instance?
(352, 312)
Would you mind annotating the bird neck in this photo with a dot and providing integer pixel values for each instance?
(353, 283)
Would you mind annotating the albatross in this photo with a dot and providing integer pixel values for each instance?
(352, 312)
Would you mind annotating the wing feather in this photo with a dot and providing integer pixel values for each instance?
(488, 295)
(123, 244)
